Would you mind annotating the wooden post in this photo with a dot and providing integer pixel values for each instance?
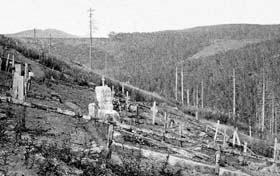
(216, 132)
(188, 97)
(176, 85)
(165, 126)
(165, 122)
(196, 115)
(275, 150)
(202, 95)
(25, 70)
(113, 91)
(234, 96)
(263, 103)
(110, 140)
(154, 110)
(137, 110)
(126, 101)
(275, 122)
(250, 131)
(182, 86)
(123, 88)
(224, 139)
(13, 61)
(245, 147)
(7, 62)
(103, 80)
(181, 133)
(197, 100)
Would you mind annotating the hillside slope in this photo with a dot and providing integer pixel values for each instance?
(148, 61)
(39, 33)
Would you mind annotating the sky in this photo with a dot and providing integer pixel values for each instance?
(72, 16)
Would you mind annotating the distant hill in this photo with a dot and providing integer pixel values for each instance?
(42, 34)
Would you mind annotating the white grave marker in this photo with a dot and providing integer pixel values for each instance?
(217, 128)
(154, 110)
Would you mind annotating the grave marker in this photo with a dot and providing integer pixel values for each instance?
(103, 80)
(216, 132)
(275, 153)
(154, 110)
(245, 147)
(235, 137)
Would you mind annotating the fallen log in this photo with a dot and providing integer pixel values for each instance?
(174, 160)
(38, 106)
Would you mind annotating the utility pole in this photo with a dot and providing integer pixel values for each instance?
(234, 95)
(182, 85)
(34, 32)
(90, 28)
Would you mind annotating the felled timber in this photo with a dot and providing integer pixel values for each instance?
(38, 106)
(175, 160)
(184, 152)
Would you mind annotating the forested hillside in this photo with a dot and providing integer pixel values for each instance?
(208, 54)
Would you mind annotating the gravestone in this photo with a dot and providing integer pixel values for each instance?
(18, 87)
(104, 97)
(105, 104)
(18, 69)
(91, 110)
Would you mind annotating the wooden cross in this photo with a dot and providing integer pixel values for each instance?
(154, 110)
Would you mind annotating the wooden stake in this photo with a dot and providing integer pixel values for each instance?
(234, 94)
(196, 115)
(275, 122)
(245, 147)
(123, 88)
(224, 139)
(110, 140)
(181, 133)
(103, 80)
(197, 100)
(217, 128)
(7, 62)
(126, 101)
(250, 131)
(165, 122)
(275, 150)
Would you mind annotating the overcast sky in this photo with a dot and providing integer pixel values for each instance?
(132, 15)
